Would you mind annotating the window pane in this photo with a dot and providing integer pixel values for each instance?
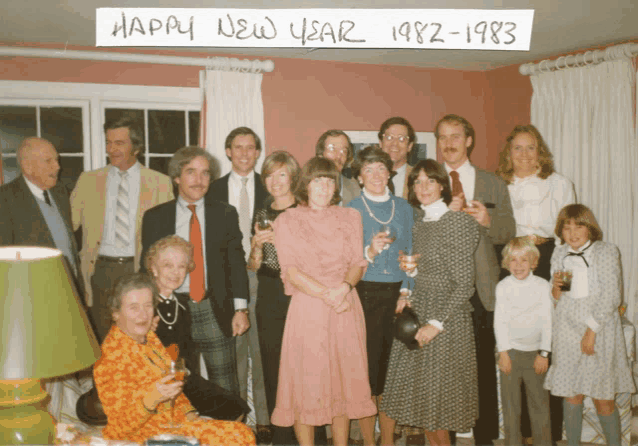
(70, 170)
(10, 169)
(63, 127)
(166, 131)
(193, 128)
(16, 123)
(159, 164)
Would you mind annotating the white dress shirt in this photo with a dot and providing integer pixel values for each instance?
(537, 202)
(108, 246)
(234, 190)
(36, 191)
(399, 180)
(182, 228)
(523, 314)
(467, 176)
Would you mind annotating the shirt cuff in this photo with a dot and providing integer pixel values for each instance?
(366, 256)
(591, 323)
(413, 273)
(436, 323)
(406, 291)
(240, 304)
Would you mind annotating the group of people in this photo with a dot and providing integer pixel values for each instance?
(303, 270)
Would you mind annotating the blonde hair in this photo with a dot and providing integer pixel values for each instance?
(520, 246)
(170, 241)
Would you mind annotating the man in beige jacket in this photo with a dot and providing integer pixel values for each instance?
(108, 204)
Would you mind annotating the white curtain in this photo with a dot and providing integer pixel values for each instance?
(586, 115)
(231, 99)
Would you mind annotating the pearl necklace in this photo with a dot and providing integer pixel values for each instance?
(372, 215)
(176, 312)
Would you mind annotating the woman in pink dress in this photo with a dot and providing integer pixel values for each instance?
(323, 375)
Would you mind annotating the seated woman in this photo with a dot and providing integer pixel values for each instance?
(131, 381)
(169, 260)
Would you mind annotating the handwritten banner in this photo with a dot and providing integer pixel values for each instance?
(475, 29)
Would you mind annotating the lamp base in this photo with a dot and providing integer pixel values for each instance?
(23, 417)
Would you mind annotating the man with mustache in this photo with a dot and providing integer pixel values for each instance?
(242, 188)
(484, 196)
(108, 205)
(217, 289)
(336, 146)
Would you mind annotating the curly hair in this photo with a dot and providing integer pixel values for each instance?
(170, 241)
(125, 284)
(545, 159)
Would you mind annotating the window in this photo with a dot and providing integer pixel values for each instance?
(72, 117)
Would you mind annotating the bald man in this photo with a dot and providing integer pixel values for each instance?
(35, 210)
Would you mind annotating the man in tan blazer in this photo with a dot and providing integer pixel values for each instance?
(336, 146)
(108, 204)
(397, 138)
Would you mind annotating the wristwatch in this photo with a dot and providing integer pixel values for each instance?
(242, 310)
(543, 353)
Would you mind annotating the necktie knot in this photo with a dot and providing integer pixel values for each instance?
(192, 207)
(123, 174)
(244, 181)
(454, 175)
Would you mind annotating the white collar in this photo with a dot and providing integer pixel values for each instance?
(434, 211)
(524, 281)
(377, 198)
(184, 204)
(166, 299)
(35, 190)
(133, 170)
(402, 169)
(533, 177)
(237, 178)
(463, 169)
(587, 244)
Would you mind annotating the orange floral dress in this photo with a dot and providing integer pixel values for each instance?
(125, 372)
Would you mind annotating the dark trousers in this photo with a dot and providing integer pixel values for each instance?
(486, 427)
(106, 273)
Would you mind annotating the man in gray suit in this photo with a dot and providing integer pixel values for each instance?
(484, 196)
(336, 146)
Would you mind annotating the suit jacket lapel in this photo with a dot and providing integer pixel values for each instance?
(31, 212)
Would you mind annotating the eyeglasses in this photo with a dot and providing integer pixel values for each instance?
(400, 138)
(336, 150)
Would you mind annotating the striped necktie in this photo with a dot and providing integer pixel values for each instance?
(122, 223)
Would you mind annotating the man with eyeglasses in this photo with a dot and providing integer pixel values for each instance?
(335, 145)
(397, 137)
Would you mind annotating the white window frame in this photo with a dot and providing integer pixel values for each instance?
(156, 98)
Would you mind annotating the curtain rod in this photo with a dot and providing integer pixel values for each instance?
(580, 60)
(211, 63)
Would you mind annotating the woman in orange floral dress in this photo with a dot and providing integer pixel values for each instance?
(130, 377)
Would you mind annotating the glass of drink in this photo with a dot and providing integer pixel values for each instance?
(263, 222)
(566, 276)
(177, 368)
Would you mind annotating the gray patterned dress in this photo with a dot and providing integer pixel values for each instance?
(436, 387)
(607, 372)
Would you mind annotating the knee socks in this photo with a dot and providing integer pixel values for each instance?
(573, 416)
(611, 427)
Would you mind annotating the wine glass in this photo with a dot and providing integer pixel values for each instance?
(263, 222)
(391, 234)
(177, 368)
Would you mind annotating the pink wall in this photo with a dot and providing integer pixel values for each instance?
(303, 98)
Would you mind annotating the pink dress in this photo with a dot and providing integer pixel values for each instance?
(323, 371)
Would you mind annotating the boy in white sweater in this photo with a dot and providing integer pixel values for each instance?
(523, 329)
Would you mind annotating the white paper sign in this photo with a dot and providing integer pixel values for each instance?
(476, 29)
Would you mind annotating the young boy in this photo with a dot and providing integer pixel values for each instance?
(523, 329)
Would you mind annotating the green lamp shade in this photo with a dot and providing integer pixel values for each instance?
(44, 330)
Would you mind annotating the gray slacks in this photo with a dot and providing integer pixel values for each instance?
(537, 400)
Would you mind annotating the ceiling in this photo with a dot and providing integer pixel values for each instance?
(560, 26)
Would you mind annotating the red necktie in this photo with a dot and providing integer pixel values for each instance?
(457, 187)
(197, 283)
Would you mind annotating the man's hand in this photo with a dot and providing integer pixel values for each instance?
(457, 203)
(478, 210)
(505, 362)
(240, 323)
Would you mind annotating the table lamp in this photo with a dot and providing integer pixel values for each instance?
(44, 333)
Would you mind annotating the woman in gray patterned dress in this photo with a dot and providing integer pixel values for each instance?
(589, 354)
(436, 387)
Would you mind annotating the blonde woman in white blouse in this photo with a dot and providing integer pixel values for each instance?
(537, 192)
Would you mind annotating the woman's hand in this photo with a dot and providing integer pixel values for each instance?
(192, 416)
(588, 341)
(262, 236)
(505, 362)
(408, 263)
(335, 297)
(378, 244)
(402, 303)
(426, 334)
(557, 282)
(162, 390)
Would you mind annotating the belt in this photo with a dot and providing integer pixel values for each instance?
(115, 259)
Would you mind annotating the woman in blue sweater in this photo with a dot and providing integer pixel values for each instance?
(387, 230)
